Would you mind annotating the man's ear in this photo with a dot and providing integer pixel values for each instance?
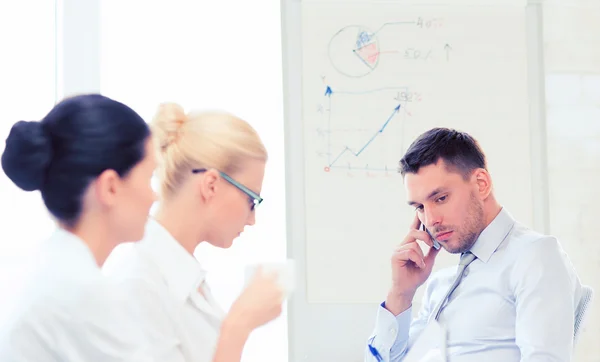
(483, 180)
(106, 187)
(208, 184)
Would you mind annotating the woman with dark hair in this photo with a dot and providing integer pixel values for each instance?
(92, 159)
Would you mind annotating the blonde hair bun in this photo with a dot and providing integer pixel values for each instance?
(201, 139)
(168, 123)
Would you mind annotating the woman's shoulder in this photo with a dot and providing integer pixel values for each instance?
(128, 262)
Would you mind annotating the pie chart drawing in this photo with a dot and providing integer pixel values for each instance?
(354, 51)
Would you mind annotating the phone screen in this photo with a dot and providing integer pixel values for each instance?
(436, 244)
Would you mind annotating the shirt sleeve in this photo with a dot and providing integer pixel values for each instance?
(544, 296)
(393, 335)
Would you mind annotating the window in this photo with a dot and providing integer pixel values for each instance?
(204, 55)
(28, 73)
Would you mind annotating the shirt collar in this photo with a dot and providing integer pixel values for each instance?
(182, 272)
(491, 237)
(68, 246)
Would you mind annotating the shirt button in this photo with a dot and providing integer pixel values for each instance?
(393, 331)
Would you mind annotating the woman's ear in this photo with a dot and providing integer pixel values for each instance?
(208, 184)
(107, 187)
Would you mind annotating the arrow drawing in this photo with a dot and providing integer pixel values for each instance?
(328, 93)
(447, 48)
(379, 131)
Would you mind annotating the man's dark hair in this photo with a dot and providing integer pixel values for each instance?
(460, 152)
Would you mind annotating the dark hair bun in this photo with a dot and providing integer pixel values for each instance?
(27, 155)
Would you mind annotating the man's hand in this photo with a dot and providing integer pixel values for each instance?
(410, 268)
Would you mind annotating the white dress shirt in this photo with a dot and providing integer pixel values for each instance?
(70, 312)
(167, 284)
(516, 302)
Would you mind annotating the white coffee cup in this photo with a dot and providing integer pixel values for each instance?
(285, 272)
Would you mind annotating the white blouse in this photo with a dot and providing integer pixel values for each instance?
(69, 311)
(165, 281)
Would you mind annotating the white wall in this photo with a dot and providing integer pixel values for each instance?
(572, 52)
(27, 90)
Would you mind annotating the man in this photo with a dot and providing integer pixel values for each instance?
(513, 296)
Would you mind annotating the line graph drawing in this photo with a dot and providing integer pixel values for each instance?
(354, 141)
(355, 50)
(380, 131)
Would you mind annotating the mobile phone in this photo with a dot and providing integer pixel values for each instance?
(436, 244)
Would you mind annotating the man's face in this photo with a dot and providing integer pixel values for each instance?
(448, 206)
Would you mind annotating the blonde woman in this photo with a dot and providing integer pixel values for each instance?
(211, 173)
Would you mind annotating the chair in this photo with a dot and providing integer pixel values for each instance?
(582, 308)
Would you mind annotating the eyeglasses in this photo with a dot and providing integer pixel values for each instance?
(253, 197)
